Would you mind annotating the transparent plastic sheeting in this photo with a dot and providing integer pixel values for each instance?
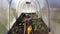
(7, 15)
(53, 12)
(48, 8)
(54, 16)
(3, 16)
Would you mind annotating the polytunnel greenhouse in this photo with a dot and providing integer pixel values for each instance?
(29, 16)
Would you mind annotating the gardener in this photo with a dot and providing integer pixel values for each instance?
(28, 21)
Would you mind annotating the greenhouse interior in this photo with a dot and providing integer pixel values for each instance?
(29, 16)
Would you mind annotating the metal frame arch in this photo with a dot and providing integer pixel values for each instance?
(35, 2)
(38, 8)
(18, 4)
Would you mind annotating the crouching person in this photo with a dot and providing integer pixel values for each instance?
(28, 21)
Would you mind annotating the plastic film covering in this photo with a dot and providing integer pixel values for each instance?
(54, 8)
(4, 16)
(51, 15)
